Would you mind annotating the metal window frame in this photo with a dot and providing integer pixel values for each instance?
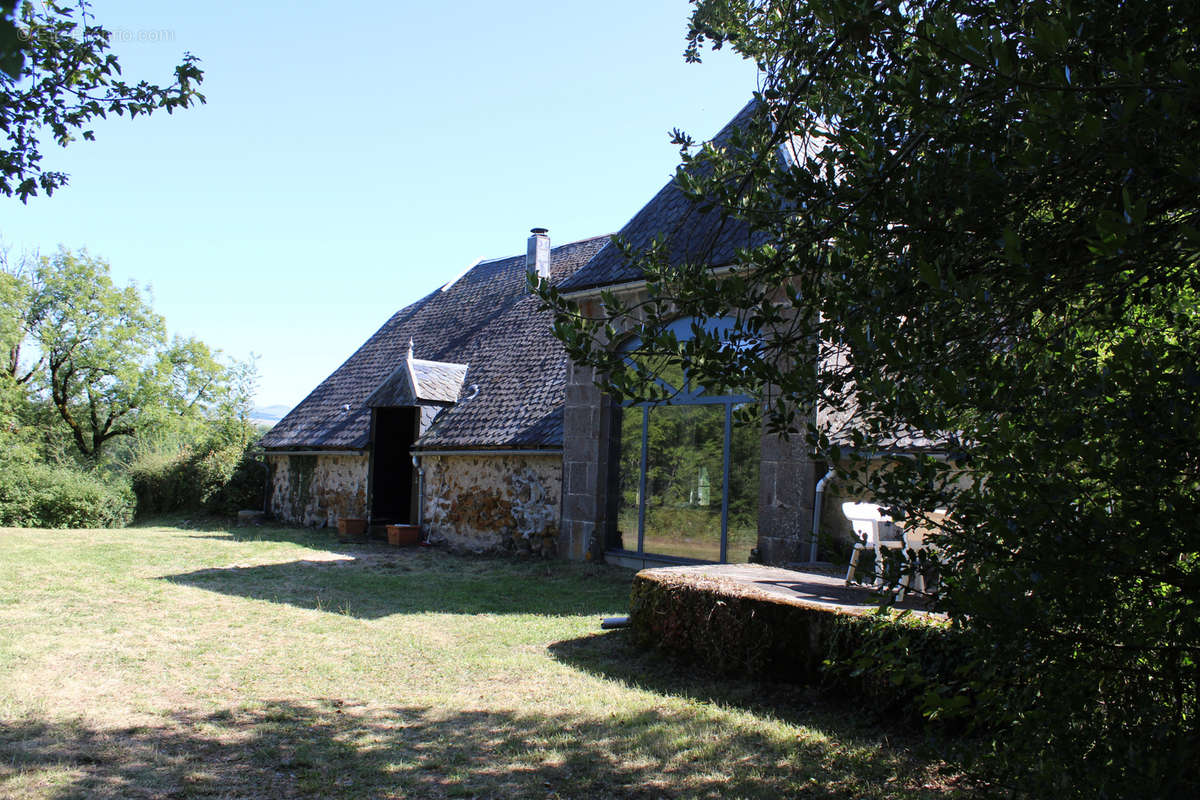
(727, 402)
(685, 396)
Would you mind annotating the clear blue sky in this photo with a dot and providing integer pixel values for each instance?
(354, 156)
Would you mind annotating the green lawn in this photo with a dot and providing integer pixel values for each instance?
(179, 662)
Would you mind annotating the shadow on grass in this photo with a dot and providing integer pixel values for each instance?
(335, 749)
(219, 528)
(371, 581)
(614, 656)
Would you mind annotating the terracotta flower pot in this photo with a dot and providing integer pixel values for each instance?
(403, 535)
(352, 528)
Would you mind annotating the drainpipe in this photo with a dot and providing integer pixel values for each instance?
(268, 488)
(420, 489)
(818, 502)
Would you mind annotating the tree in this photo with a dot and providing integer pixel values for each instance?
(986, 237)
(57, 78)
(103, 360)
(18, 289)
(12, 48)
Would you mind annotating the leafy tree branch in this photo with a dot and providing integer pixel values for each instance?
(58, 78)
(983, 252)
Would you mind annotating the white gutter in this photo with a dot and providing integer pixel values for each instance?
(314, 452)
(487, 453)
(630, 285)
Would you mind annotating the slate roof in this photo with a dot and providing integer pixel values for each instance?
(711, 237)
(693, 236)
(420, 382)
(438, 381)
(513, 388)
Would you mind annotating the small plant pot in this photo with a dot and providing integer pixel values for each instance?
(352, 529)
(403, 535)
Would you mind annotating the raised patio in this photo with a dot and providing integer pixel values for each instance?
(823, 587)
(756, 620)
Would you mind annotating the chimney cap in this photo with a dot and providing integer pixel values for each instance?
(537, 253)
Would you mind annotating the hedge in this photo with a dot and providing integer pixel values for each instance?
(34, 495)
(900, 662)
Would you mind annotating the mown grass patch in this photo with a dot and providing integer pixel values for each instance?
(171, 661)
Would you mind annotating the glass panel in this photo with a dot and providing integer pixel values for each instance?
(684, 481)
(744, 453)
(623, 535)
(668, 372)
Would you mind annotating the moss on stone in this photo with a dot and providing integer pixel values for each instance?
(300, 477)
(892, 659)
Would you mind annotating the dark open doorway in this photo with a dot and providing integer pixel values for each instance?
(392, 477)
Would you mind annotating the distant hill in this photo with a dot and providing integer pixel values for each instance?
(269, 415)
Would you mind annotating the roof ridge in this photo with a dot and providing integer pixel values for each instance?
(584, 240)
(685, 229)
(431, 361)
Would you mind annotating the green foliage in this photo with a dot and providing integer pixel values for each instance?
(104, 363)
(217, 474)
(983, 239)
(93, 389)
(896, 663)
(34, 495)
(57, 78)
(12, 44)
(101, 347)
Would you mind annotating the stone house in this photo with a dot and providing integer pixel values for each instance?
(449, 416)
(463, 414)
(745, 494)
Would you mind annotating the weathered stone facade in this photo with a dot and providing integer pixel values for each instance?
(587, 431)
(316, 490)
(787, 480)
(493, 502)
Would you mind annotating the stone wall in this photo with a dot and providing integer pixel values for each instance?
(317, 490)
(587, 424)
(787, 482)
(493, 502)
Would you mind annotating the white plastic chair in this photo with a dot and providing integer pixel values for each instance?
(874, 530)
(913, 533)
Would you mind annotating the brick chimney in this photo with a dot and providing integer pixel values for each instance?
(537, 253)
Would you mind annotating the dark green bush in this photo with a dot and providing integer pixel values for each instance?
(216, 476)
(36, 495)
(899, 663)
(243, 488)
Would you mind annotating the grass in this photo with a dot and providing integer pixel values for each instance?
(687, 532)
(184, 662)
